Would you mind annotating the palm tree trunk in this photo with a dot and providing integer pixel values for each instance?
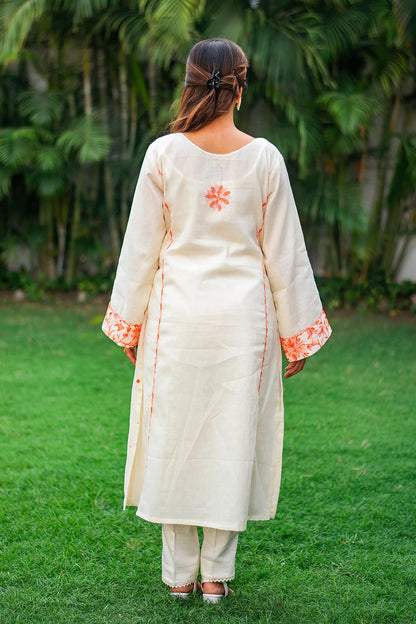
(61, 219)
(108, 181)
(394, 227)
(124, 118)
(152, 73)
(86, 83)
(133, 122)
(375, 224)
(400, 253)
(74, 234)
(48, 251)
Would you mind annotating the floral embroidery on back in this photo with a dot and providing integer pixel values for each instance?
(218, 197)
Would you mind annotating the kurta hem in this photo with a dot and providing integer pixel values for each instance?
(223, 526)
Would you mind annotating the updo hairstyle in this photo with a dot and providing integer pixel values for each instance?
(212, 61)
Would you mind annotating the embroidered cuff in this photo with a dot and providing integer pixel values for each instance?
(308, 341)
(122, 333)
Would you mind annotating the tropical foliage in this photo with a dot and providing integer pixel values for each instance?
(86, 84)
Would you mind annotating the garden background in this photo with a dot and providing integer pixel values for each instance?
(85, 86)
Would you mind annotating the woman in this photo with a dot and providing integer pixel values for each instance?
(212, 273)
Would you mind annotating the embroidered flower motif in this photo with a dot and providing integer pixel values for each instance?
(308, 341)
(122, 333)
(217, 197)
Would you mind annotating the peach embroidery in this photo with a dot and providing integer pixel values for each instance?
(122, 333)
(162, 266)
(266, 320)
(308, 341)
(217, 197)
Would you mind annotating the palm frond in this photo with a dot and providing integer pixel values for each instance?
(41, 107)
(170, 26)
(350, 111)
(340, 32)
(311, 142)
(16, 20)
(340, 144)
(228, 21)
(140, 82)
(324, 200)
(47, 184)
(83, 9)
(395, 68)
(5, 181)
(310, 135)
(405, 11)
(264, 120)
(88, 138)
(284, 53)
(130, 26)
(49, 159)
(17, 146)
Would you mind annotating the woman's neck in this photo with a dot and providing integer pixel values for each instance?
(220, 136)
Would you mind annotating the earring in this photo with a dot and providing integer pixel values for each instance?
(239, 104)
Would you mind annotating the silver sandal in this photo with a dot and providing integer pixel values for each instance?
(215, 598)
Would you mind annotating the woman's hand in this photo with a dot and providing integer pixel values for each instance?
(131, 353)
(294, 367)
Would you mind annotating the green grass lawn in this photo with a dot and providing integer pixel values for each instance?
(341, 548)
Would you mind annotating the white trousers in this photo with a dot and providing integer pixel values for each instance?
(182, 555)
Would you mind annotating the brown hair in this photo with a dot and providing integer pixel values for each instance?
(224, 63)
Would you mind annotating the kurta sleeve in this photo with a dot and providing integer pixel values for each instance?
(303, 326)
(139, 257)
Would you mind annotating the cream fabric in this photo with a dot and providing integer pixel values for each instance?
(214, 266)
(181, 557)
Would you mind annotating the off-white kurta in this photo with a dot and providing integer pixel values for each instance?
(212, 274)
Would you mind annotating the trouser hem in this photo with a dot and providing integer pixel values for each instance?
(216, 580)
(190, 582)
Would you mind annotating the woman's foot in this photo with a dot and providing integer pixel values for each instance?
(213, 588)
(186, 589)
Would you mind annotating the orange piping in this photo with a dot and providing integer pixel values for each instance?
(158, 331)
(266, 320)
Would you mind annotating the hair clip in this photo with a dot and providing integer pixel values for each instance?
(214, 81)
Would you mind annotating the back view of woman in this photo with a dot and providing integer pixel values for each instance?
(213, 275)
